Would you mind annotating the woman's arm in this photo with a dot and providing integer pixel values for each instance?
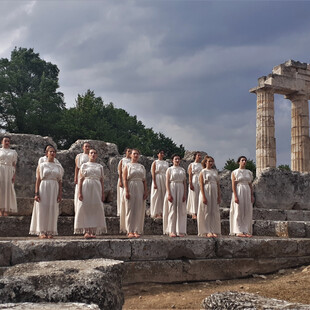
(102, 188)
(59, 191)
(125, 181)
(202, 190)
(37, 186)
(234, 185)
(120, 172)
(218, 192)
(170, 198)
(185, 185)
(154, 175)
(145, 190)
(81, 186)
(76, 170)
(190, 175)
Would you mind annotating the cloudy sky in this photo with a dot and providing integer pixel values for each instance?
(184, 67)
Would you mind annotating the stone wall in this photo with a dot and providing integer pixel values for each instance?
(274, 189)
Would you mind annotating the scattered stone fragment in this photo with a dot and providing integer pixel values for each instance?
(48, 306)
(241, 301)
(259, 276)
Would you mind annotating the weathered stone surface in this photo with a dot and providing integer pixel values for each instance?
(48, 306)
(92, 281)
(240, 300)
(279, 189)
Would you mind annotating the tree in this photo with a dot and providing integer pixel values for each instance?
(231, 165)
(92, 119)
(284, 167)
(29, 102)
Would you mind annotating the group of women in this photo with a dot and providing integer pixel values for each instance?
(167, 201)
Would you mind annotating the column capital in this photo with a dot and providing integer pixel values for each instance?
(297, 96)
(260, 89)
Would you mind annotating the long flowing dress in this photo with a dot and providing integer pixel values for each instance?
(89, 215)
(174, 213)
(8, 159)
(208, 217)
(80, 159)
(158, 195)
(193, 196)
(135, 206)
(119, 190)
(45, 213)
(241, 214)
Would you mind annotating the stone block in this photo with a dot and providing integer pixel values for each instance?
(91, 281)
(5, 253)
(296, 230)
(168, 248)
(269, 214)
(48, 306)
(264, 228)
(241, 300)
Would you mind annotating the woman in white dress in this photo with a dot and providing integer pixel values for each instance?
(89, 218)
(193, 188)
(158, 189)
(8, 159)
(120, 186)
(208, 217)
(135, 193)
(241, 207)
(48, 194)
(80, 159)
(174, 215)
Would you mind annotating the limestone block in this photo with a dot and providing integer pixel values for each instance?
(5, 253)
(269, 214)
(255, 248)
(165, 248)
(279, 189)
(264, 228)
(225, 188)
(36, 250)
(48, 306)
(91, 281)
(281, 229)
(303, 246)
(240, 300)
(296, 229)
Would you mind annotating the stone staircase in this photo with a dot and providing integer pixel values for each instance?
(266, 222)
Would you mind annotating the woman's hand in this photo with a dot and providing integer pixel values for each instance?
(236, 200)
(13, 179)
(184, 198)
(120, 183)
(155, 186)
(127, 195)
(170, 198)
(191, 186)
(145, 195)
(80, 197)
(252, 198)
(75, 180)
(205, 201)
(59, 198)
(218, 199)
(102, 198)
(37, 198)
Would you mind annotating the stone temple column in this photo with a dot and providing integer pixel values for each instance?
(300, 157)
(265, 130)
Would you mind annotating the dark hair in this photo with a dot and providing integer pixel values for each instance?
(240, 157)
(195, 154)
(134, 149)
(85, 143)
(126, 149)
(6, 137)
(174, 155)
(204, 161)
(92, 149)
(47, 146)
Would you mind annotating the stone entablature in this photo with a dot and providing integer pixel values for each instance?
(291, 79)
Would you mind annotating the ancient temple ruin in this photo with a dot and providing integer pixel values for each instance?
(291, 79)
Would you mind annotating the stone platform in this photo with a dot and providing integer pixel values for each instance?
(166, 260)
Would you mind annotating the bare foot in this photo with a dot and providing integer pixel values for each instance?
(50, 236)
(240, 235)
(181, 235)
(87, 236)
(172, 235)
(42, 236)
(130, 235)
(93, 236)
(248, 235)
(137, 235)
(215, 235)
(209, 235)
(194, 217)
(5, 213)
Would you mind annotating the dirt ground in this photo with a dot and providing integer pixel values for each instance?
(291, 285)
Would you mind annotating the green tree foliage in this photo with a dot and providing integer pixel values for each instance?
(231, 165)
(92, 119)
(29, 102)
(284, 167)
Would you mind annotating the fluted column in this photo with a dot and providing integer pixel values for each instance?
(265, 130)
(300, 157)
